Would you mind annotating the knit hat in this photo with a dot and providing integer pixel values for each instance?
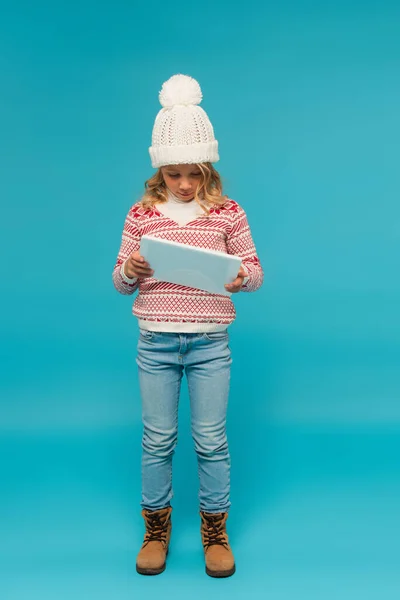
(182, 132)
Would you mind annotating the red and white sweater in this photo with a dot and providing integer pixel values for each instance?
(169, 307)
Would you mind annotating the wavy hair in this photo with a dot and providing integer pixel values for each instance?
(208, 193)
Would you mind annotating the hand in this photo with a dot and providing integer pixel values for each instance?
(136, 266)
(236, 285)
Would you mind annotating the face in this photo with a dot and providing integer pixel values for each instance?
(182, 180)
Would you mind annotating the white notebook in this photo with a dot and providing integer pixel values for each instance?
(186, 265)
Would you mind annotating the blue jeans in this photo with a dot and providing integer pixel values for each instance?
(206, 359)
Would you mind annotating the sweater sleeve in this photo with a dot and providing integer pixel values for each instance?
(130, 243)
(240, 243)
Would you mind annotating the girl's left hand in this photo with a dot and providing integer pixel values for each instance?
(236, 285)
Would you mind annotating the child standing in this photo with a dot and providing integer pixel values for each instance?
(184, 329)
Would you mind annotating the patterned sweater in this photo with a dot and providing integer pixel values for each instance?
(169, 307)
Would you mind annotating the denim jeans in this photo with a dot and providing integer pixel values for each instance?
(206, 359)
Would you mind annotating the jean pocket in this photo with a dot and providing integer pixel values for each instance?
(215, 336)
(145, 334)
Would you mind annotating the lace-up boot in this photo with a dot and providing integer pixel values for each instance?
(218, 554)
(151, 559)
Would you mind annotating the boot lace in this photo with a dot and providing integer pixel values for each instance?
(156, 528)
(214, 530)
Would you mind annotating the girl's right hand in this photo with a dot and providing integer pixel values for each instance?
(136, 266)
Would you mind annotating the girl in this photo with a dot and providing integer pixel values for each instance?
(181, 328)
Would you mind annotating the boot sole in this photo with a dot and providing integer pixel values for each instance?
(152, 571)
(221, 573)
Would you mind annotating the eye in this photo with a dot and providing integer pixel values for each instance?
(196, 174)
(174, 175)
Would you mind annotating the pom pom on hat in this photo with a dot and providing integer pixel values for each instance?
(180, 89)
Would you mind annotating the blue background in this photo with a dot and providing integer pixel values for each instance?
(304, 98)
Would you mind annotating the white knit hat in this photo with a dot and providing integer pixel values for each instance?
(182, 132)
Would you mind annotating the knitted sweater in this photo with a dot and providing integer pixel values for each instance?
(162, 306)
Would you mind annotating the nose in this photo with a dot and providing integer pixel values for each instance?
(184, 186)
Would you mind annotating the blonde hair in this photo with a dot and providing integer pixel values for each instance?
(207, 194)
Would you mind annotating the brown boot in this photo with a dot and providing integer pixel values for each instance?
(153, 553)
(217, 552)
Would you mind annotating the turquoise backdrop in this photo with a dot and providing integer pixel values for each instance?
(304, 98)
